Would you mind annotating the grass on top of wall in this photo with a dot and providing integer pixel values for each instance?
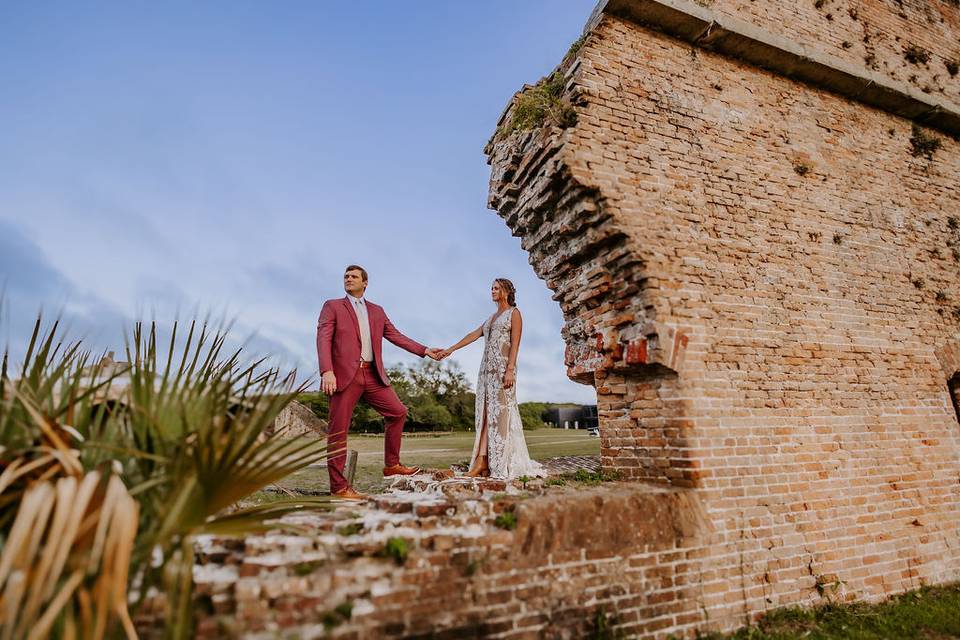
(928, 613)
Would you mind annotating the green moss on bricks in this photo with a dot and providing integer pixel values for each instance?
(395, 548)
(340, 614)
(604, 626)
(344, 609)
(506, 520)
(472, 567)
(575, 47)
(306, 568)
(351, 529)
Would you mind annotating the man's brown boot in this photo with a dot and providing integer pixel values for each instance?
(348, 494)
(400, 470)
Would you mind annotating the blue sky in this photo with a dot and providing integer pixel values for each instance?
(232, 157)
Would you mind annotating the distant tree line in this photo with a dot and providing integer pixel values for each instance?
(437, 395)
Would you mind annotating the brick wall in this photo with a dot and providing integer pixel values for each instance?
(580, 559)
(772, 310)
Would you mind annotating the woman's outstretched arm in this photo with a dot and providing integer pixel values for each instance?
(516, 329)
(464, 341)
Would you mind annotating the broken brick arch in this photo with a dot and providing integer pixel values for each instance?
(608, 299)
(953, 385)
(949, 357)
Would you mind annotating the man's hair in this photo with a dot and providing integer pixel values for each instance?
(356, 267)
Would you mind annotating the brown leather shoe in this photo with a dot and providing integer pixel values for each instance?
(400, 470)
(348, 494)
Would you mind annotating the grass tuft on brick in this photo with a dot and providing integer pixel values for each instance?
(593, 478)
(931, 612)
(351, 529)
(506, 520)
(541, 104)
(397, 549)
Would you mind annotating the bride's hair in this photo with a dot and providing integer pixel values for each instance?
(511, 290)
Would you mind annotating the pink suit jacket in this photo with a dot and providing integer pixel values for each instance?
(338, 340)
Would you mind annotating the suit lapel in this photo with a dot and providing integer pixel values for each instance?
(353, 314)
(373, 316)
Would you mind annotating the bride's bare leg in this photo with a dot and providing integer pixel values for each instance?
(480, 465)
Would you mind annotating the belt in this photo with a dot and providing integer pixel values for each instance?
(364, 364)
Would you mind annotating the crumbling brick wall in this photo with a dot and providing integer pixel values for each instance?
(579, 560)
(760, 276)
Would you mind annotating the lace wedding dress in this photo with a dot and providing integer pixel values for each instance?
(507, 454)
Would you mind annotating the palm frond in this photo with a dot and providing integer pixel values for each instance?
(103, 467)
(50, 558)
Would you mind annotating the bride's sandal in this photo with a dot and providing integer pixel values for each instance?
(480, 470)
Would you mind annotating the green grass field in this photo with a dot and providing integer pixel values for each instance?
(926, 614)
(438, 452)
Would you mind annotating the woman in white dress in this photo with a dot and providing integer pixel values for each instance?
(499, 449)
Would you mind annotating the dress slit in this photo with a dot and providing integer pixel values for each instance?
(482, 445)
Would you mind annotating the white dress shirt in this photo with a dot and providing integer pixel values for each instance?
(366, 345)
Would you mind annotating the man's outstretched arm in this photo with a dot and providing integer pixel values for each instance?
(392, 334)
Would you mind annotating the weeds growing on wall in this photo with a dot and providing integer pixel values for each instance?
(397, 549)
(506, 520)
(915, 54)
(575, 47)
(542, 104)
(605, 626)
(923, 144)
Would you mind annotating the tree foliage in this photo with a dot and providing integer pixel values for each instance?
(531, 414)
(437, 395)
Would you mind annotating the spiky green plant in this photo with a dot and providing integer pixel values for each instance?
(142, 458)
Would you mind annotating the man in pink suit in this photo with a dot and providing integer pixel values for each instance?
(349, 336)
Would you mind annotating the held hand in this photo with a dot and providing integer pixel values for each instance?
(509, 378)
(445, 353)
(328, 383)
(432, 353)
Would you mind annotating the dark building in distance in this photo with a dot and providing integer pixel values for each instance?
(582, 417)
